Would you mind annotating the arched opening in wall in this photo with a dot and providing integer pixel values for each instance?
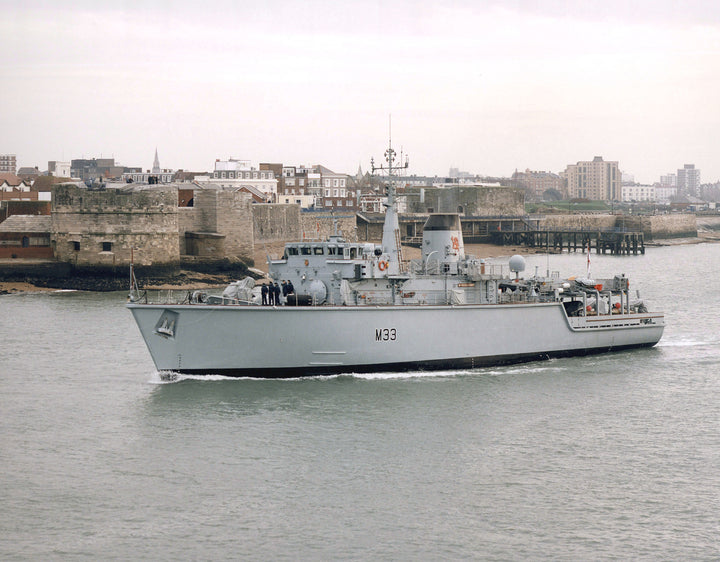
(460, 209)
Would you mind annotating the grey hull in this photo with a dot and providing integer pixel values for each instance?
(286, 342)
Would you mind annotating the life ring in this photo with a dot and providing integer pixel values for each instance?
(382, 266)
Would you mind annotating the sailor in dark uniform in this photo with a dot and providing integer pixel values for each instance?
(264, 292)
(271, 294)
(276, 289)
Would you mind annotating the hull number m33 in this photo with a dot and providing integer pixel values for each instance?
(385, 334)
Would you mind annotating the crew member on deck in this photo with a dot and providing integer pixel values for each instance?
(276, 290)
(264, 292)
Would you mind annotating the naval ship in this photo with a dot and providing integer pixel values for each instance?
(360, 307)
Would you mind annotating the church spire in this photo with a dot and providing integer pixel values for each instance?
(156, 163)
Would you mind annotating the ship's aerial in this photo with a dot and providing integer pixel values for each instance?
(360, 307)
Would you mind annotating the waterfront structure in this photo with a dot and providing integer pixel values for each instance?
(101, 227)
(595, 179)
(688, 180)
(8, 164)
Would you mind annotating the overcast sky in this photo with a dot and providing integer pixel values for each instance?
(484, 86)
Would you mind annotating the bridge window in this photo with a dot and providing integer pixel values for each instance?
(318, 251)
(292, 251)
(305, 250)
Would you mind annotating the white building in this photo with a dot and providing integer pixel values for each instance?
(664, 194)
(59, 169)
(234, 174)
(638, 192)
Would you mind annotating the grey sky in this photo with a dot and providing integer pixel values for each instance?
(484, 86)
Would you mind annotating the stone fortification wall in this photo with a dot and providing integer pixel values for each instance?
(99, 227)
(219, 225)
(318, 226)
(586, 222)
(477, 201)
(657, 227)
(276, 222)
(235, 221)
(653, 227)
(186, 223)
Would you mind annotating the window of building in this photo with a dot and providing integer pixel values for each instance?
(25, 242)
(342, 183)
(335, 192)
(107, 246)
(75, 246)
(335, 183)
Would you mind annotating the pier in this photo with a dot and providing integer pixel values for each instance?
(615, 241)
(526, 231)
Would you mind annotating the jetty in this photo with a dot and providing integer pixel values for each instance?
(526, 231)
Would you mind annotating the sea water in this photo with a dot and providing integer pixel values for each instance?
(612, 456)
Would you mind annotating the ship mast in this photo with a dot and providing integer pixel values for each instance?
(391, 228)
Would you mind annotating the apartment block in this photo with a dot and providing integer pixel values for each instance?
(595, 179)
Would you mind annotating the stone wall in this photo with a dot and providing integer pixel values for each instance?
(657, 227)
(653, 227)
(318, 226)
(477, 201)
(276, 222)
(235, 221)
(100, 227)
(586, 222)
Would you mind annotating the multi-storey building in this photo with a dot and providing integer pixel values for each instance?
(536, 183)
(235, 174)
(8, 163)
(670, 180)
(91, 169)
(638, 192)
(335, 192)
(688, 180)
(665, 194)
(595, 179)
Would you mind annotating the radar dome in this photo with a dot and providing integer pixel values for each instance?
(517, 264)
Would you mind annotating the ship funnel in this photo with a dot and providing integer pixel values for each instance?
(443, 242)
